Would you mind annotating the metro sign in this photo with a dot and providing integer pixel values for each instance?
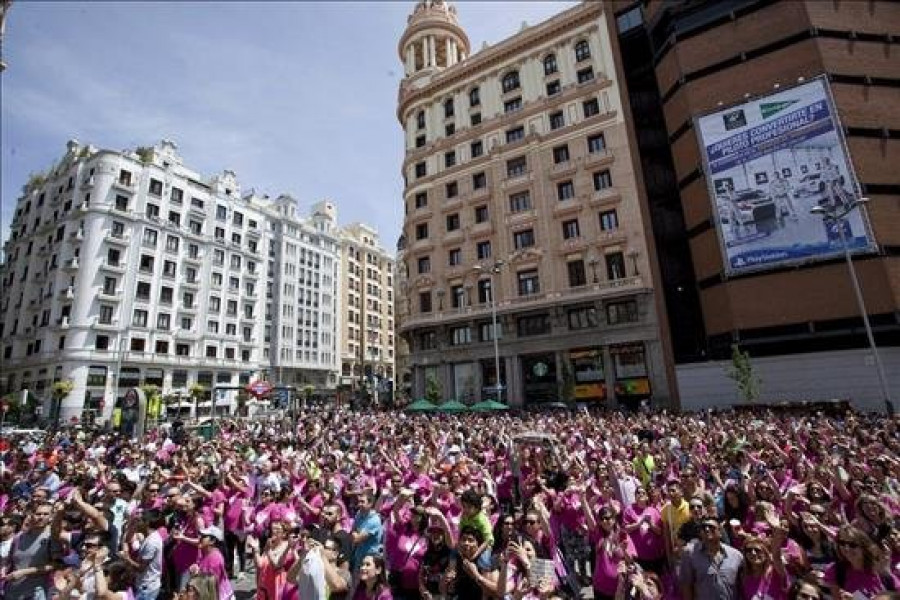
(259, 388)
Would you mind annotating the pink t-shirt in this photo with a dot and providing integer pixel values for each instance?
(647, 545)
(213, 564)
(404, 550)
(606, 566)
(868, 584)
(770, 586)
(234, 511)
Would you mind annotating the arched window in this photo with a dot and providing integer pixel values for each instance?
(582, 51)
(448, 108)
(474, 97)
(420, 119)
(510, 81)
(550, 64)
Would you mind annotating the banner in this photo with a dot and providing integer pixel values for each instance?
(768, 162)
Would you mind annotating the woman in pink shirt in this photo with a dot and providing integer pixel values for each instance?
(613, 547)
(764, 575)
(211, 561)
(644, 526)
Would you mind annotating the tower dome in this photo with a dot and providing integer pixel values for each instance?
(433, 38)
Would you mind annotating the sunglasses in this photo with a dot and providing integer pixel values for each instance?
(531, 521)
(90, 545)
(753, 551)
(709, 527)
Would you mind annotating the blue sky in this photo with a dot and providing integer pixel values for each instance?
(286, 94)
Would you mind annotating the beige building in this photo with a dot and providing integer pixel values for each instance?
(520, 178)
(367, 331)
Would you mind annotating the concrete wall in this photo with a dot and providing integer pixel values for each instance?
(845, 374)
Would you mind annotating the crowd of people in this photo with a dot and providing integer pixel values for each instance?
(381, 505)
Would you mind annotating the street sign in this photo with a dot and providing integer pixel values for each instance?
(259, 388)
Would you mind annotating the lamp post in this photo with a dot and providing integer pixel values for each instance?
(494, 269)
(834, 215)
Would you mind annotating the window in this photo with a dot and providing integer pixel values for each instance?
(216, 279)
(448, 108)
(449, 158)
(106, 314)
(146, 264)
(452, 189)
(137, 345)
(481, 213)
(421, 169)
(421, 231)
(557, 120)
(169, 268)
(596, 143)
(235, 261)
(197, 202)
(109, 286)
(453, 222)
(515, 134)
(622, 312)
(162, 347)
(420, 141)
(561, 154)
(460, 336)
(152, 211)
(585, 75)
(118, 229)
(215, 304)
(176, 196)
(175, 218)
(554, 87)
(512, 105)
(220, 233)
(425, 302)
(237, 219)
(565, 190)
(602, 180)
(615, 266)
(163, 321)
(583, 318)
(454, 257)
(221, 213)
(550, 66)
(420, 119)
(484, 291)
(165, 295)
(516, 167)
(570, 229)
(479, 181)
(582, 51)
(182, 350)
(510, 81)
(139, 319)
(211, 351)
(591, 107)
(423, 264)
(101, 342)
(520, 201)
(474, 97)
(533, 325)
(575, 269)
(477, 148)
(449, 129)
(196, 227)
(523, 239)
(212, 326)
(475, 119)
(421, 199)
(172, 243)
(150, 236)
(483, 250)
(187, 300)
(156, 187)
(187, 323)
(609, 220)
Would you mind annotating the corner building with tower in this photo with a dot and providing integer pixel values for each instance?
(524, 206)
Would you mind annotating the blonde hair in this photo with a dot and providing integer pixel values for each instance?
(206, 586)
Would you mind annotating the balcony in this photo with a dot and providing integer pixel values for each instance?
(187, 308)
(67, 293)
(197, 260)
(197, 210)
(121, 239)
(113, 267)
(113, 296)
(517, 180)
(605, 197)
(191, 283)
(482, 193)
(84, 207)
(521, 217)
(248, 342)
(599, 158)
(563, 169)
(125, 185)
(72, 264)
(566, 207)
(110, 325)
(451, 204)
(614, 236)
(481, 229)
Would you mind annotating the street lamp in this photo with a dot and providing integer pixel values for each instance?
(834, 214)
(493, 270)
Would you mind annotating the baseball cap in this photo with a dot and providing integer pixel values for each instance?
(213, 532)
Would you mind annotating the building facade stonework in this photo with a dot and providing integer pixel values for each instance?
(521, 197)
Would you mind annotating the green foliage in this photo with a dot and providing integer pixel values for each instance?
(145, 153)
(433, 390)
(197, 391)
(308, 390)
(61, 389)
(741, 372)
(35, 180)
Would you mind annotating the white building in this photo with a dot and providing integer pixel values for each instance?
(128, 268)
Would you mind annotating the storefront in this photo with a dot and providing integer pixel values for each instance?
(632, 381)
(539, 378)
(586, 365)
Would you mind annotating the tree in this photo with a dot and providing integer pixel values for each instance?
(59, 392)
(307, 392)
(153, 397)
(433, 389)
(198, 392)
(741, 372)
(145, 153)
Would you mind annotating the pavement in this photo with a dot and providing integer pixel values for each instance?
(246, 589)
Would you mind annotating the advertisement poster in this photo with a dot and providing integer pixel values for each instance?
(769, 161)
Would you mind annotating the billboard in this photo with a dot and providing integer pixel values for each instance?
(769, 161)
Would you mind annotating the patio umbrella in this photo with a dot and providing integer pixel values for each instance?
(452, 406)
(489, 406)
(421, 405)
